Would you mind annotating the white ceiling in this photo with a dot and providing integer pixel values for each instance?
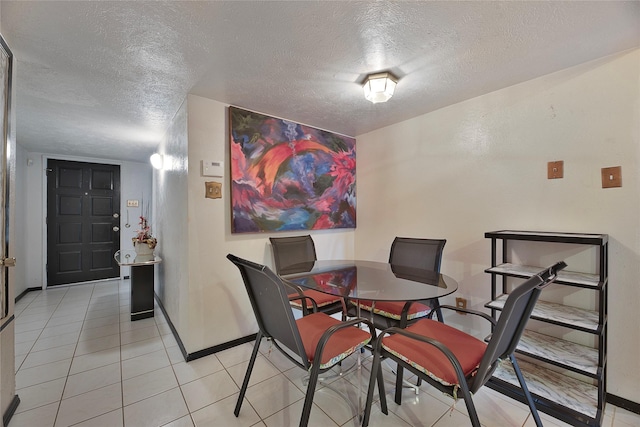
(103, 79)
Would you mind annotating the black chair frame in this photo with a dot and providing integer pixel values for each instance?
(398, 257)
(276, 323)
(394, 259)
(502, 345)
(296, 255)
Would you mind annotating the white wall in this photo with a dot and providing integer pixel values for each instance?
(480, 165)
(135, 184)
(202, 291)
(170, 213)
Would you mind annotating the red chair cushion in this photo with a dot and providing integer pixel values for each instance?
(428, 359)
(341, 344)
(393, 309)
(320, 298)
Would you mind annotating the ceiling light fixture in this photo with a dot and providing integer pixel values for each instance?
(156, 160)
(379, 87)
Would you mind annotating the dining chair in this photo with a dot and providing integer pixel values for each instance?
(408, 252)
(296, 255)
(455, 362)
(315, 342)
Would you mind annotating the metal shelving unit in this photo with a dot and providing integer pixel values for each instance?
(566, 379)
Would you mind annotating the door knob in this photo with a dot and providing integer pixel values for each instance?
(116, 228)
(116, 215)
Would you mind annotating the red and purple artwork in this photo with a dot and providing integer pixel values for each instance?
(288, 176)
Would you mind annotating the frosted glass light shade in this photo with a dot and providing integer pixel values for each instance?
(156, 160)
(379, 87)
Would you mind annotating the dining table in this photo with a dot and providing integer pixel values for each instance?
(373, 281)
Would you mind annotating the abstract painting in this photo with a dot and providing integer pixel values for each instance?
(289, 176)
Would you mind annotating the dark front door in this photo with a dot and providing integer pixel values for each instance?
(83, 221)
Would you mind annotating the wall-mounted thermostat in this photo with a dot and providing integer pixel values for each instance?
(212, 168)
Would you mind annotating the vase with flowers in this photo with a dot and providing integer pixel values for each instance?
(144, 243)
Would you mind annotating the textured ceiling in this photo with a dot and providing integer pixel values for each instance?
(103, 79)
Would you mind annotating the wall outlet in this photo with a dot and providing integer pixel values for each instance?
(555, 169)
(461, 303)
(612, 177)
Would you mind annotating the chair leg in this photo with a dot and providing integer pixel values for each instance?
(406, 384)
(399, 382)
(308, 399)
(471, 408)
(525, 390)
(381, 392)
(376, 374)
(247, 375)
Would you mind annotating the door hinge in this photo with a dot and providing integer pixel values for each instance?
(8, 262)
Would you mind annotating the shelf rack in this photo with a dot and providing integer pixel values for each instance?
(566, 379)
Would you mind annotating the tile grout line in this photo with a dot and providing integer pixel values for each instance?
(66, 380)
(174, 375)
(42, 330)
(34, 343)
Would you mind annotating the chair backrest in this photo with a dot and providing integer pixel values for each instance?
(289, 251)
(513, 319)
(417, 253)
(270, 303)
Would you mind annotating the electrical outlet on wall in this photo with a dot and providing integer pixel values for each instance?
(555, 169)
(461, 303)
(612, 177)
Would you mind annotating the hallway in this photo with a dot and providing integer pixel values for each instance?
(80, 361)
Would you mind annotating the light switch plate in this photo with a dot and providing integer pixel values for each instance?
(555, 169)
(212, 190)
(132, 203)
(612, 177)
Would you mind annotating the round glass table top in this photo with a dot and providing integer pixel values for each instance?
(371, 280)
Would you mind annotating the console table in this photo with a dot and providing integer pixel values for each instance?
(142, 267)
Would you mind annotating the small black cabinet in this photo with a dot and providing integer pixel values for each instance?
(142, 281)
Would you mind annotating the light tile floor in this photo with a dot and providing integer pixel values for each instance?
(80, 361)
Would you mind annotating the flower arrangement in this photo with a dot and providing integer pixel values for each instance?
(143, 235)
(144, 242)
